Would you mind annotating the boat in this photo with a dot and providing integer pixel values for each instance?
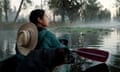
(9, 64)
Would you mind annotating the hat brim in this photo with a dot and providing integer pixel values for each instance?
(33, 38)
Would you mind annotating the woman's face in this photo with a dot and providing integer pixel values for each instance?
(44, 21)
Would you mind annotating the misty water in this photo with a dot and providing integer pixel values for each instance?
(104, 37)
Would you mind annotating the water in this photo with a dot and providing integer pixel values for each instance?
(7, 43)
(108, 40)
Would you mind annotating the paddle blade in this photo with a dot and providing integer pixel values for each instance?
(93, 54)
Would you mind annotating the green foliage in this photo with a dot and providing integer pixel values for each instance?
(24, 4)
(76, 29)
(69, 8)
(86, 10)
(91, 10)
(1, 12)
(104, 15)
(5, 8)
(118, 10)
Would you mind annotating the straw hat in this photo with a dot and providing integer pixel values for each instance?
(27, 38)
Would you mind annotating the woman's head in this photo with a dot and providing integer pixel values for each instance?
(39, 17)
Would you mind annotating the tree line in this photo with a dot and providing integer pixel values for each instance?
(5, 10)
(84, 10)
(68, 10)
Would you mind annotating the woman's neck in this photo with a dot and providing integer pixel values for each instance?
(39, 25)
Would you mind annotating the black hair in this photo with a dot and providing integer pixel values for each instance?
(35, 14)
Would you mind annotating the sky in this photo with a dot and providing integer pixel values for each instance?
(16, 3)
(109, 4)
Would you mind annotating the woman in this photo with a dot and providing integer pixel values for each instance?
(46, 39)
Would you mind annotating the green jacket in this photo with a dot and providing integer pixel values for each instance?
(47, 39)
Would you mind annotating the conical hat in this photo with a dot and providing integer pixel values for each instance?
(27, 38)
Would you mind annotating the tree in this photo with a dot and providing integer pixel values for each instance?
(117, 3)
(1, 11)
(57, 7)
(104, 15)
(86, 10)
(92, 8)
(69, 8)
(6, 8)
(118, 10)
(73, 9)
(24, 3)
(5, 5)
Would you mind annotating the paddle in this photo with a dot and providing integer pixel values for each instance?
(93, 54)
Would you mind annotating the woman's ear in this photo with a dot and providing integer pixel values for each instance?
(39, 20)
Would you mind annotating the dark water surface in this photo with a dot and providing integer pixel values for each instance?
(108, 40)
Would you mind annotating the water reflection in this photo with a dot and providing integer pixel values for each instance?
(111, 41)
(108, 40)
(7, 43)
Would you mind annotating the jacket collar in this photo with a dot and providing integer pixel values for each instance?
(40, 28)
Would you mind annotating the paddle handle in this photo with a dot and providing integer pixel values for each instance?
(93, 54)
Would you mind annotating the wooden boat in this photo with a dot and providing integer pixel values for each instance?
(8, 65)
